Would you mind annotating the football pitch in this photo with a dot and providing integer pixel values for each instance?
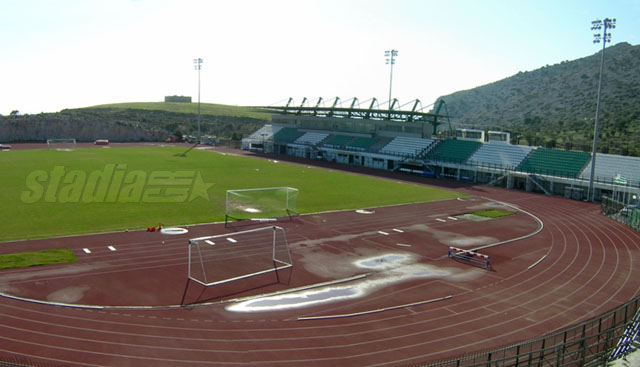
(49, 193)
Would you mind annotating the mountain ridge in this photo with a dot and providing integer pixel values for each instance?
(561, 100)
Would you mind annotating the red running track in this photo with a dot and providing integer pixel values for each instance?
(586, 270)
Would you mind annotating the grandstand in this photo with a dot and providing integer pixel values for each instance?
(457, 151)
(337, 141)
(287, 135)
(555, 162)
(257, 140)
(406, 146)
(391, 144)
(311, 138)
(361, 143)
(615, 169)
(500, 156)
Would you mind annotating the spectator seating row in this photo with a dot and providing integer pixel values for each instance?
(611, 167)
(402, 145)
(457, 151)
(500, 155)
(311, 138)
(264, 133)
(563, 163)
(287, 135)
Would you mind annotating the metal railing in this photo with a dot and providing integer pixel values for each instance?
(587, 344)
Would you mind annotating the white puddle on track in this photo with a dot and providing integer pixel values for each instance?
(388, 269)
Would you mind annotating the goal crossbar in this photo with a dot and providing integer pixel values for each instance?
(61, 144)
(261, 204)
(225, 258)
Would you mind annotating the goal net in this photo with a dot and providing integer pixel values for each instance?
(261, 204)
(229, 257)
(61, 144)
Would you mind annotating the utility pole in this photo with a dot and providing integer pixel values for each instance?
(197, 64)
(605, 37)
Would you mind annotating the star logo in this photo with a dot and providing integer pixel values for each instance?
(200, 188)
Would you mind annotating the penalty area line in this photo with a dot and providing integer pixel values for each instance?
(326, 317)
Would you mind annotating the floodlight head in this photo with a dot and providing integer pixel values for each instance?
(387, 53)
(197, 63)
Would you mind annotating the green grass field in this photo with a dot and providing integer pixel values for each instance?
(53, 193)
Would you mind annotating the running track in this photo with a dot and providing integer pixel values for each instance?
(588, 269)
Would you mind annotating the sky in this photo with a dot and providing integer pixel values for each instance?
(78, 53)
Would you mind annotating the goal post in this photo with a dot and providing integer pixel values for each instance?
(220, 259)
(261, 203)
(61, 144)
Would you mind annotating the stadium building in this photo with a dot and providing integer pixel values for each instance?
(408, 141)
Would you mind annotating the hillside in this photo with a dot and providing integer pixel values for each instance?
(555, 105)
(133, 122)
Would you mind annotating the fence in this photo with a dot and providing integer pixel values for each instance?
(587, 344)
(621, 212)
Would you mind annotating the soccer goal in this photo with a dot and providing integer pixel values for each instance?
(225, 258)
(61, 144)
(261, 204)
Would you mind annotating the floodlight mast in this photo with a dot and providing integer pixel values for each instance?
(197, 64)
(605, 37)
(390, 55)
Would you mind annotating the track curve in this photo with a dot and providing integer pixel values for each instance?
(587, 269)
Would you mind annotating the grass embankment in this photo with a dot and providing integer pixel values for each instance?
(192, 108)
(53, 193)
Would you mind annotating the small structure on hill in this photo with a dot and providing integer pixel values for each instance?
(179, 99)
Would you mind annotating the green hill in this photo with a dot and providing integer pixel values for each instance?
(555, 105)
(189, 108)
(134, 122)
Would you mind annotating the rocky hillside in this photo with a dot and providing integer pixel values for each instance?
(121, 124)
(555, 105)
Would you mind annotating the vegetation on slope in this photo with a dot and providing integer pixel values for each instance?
(189, 108)
(554, 106)
(134, 122)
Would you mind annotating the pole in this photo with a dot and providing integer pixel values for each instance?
(596, 131)
(198, 141)
(390, 54)
(608, 23)
(197, 64)
(391, 78)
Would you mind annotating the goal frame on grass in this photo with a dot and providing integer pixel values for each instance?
(209, 255)
(260, 204)
(61, 144)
